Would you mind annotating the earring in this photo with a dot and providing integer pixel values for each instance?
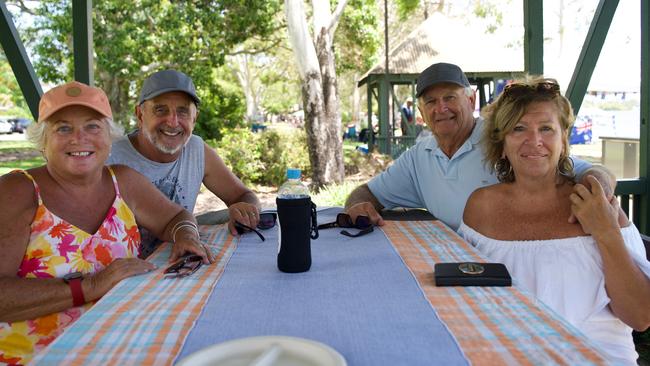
(504, 170)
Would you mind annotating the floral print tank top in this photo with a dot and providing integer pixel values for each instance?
(56, 248)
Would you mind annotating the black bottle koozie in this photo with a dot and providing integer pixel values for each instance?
(297, 218)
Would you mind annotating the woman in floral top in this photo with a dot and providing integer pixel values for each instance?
(69, 230)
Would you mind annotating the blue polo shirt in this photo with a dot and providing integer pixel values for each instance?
(424, 177)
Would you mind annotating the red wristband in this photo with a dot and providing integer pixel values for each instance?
(74, 280)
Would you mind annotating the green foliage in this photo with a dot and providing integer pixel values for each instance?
(220, 111)
(10, 93)
(356, 39)
(239, 150)
(134, 38)
(488, 10)
(280, 150)
(263, 158)
(334, 195)
(281, 87)
(406, 7)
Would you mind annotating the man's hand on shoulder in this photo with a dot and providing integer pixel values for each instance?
(606, 179)
(244, 213)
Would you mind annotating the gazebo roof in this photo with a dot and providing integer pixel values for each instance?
(468, 45)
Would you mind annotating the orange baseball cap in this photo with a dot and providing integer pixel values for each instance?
(73, 93)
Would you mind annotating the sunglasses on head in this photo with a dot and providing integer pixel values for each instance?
(267, 221)
(548, 87)
(184, 267)
(344, 220)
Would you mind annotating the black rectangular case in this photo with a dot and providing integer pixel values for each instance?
(466, 274)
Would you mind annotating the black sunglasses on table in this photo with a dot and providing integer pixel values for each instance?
(344, 220)
(267, 221)
(184, 267)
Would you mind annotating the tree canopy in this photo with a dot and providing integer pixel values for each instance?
(134, 38)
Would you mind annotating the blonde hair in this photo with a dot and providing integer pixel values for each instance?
(502, 116)
(36, 132)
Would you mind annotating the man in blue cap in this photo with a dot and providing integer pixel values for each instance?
(440, 172)
(164, 149)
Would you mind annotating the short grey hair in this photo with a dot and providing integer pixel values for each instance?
(36, 132)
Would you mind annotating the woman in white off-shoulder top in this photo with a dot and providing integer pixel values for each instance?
(590, 269)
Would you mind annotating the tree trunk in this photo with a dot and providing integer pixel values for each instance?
(323, 122)
(315, 59)
(243, 72)
(118, 96)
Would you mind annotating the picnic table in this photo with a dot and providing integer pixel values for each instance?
(371, 298)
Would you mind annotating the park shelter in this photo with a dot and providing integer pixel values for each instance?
(485, 58)
(634, 193)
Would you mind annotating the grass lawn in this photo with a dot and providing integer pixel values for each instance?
(15, 146)
(18, 155)
(7, 166)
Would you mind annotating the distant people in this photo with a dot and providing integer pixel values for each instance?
(419, 125)
(69, 229)
(440, 172)
(593, 272)
(363, 135)
(164, 149)
(407, 116)
(350, 131)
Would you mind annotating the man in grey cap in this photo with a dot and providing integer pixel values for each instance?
(440, 172)
(164, 149)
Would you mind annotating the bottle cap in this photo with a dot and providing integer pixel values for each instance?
(293, 173)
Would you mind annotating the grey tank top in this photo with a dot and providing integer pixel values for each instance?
(179, 180)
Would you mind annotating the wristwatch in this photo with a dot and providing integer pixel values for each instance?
(74, 280)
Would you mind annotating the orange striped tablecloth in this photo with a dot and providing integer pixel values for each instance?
(492, 325)
(112, 333)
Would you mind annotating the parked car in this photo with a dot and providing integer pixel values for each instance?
(20, 124)
(5, 126)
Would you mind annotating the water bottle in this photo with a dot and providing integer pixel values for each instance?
(297, 219)
(293, 188)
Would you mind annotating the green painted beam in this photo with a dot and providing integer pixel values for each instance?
(631, 186)
(82, 36)
(385, 129)
(534, 37)
(19, 61)
(371, 135)
(590, 52)
(644, 143)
